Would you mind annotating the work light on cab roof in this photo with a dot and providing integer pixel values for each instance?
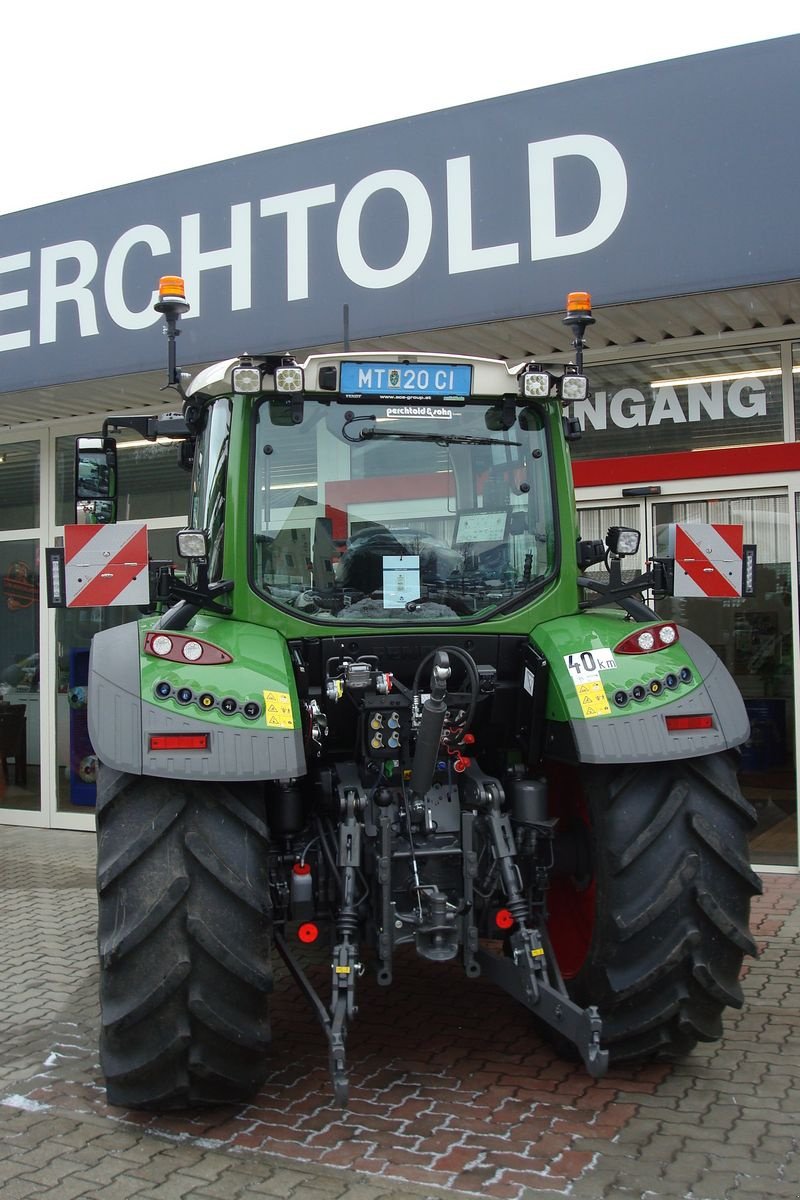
(536, 383)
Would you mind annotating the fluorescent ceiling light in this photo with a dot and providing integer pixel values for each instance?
(137, 443)
(731, 375)
(681, 382)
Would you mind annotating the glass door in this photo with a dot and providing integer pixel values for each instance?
(20, 716)
(753, 636)
(20, 634)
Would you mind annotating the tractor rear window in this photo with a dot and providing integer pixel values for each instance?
(376, 514)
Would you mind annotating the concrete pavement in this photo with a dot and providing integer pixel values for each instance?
(452, 1089)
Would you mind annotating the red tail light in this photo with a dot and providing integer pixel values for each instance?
(308, 933)
(681, 724)
(645, 641)
(503, 919)
(177, 647)
(178, 741)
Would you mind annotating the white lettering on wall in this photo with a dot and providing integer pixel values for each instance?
(666, 407)
(237, 256)
(592, 410)
(607, 161)
(701, 402)
(126, 318)
(461, 254)
(628, 418)
(73, 275)
(754, 405)
(9, 300)
(420, 228)
(296, 206)
(629, 408)
(76, 291)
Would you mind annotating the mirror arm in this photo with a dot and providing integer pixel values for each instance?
(623, 594)
(202, 594)
(170, 425)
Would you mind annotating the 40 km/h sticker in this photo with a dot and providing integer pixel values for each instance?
(585, 666)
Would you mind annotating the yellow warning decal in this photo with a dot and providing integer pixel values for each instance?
(537, 953)
(278, 710)
(342, 970)
(592, 698)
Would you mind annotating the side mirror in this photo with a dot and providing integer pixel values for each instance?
(95, 481)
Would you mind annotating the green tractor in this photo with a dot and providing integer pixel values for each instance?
(386, 706)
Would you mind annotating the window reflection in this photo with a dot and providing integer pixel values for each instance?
(699, 401)
(20, 708)
(754, 638)
(19, 485)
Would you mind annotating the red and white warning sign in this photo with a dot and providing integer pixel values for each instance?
(106, 565)
(708, 559)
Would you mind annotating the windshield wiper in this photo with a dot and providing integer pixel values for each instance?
(441, 439)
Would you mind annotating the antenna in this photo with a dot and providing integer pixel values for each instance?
(346, 328)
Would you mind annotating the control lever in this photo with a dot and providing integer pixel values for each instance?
(431, 726)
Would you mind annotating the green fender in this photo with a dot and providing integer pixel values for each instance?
(604, 706)
(241, 704)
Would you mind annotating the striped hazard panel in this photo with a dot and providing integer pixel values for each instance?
(106, 565)
(708, 560)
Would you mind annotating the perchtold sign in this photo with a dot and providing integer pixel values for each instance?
(76, 286)
(489, 211)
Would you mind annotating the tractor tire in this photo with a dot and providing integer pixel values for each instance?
(654, 931)
(184, 938)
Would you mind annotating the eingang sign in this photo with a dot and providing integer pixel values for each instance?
(715, 404)
(625, 185)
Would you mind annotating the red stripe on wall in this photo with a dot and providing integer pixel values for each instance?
(340, 494)
(691, 464)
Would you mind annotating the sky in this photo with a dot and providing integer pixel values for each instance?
(93, 94)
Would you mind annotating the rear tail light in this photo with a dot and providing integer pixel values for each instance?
(645, 641)
(178, 648)
(178, 741)
(682, 724)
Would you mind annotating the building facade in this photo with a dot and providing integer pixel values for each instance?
(668, 191)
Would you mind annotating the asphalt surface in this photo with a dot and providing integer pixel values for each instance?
(452, 1090)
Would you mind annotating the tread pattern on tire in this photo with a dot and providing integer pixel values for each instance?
(184, 939)
(673, 890)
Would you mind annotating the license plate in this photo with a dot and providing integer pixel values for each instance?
(405, 379)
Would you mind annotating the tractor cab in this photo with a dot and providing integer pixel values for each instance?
(384, 490)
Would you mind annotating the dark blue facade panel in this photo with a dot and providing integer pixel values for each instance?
(668, 179)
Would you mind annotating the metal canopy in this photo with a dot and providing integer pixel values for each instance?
(676, 325)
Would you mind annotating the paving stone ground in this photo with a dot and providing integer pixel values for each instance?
(452, 1091)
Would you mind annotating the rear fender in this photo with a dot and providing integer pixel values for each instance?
(587, 718)
(125, 710)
